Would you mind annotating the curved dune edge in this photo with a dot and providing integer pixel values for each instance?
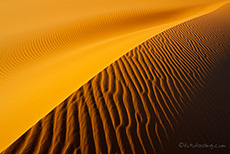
(172, 88)
(33, 77)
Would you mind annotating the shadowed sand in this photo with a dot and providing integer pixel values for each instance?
(172, 88)
(49, 48)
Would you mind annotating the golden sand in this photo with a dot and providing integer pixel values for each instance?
(49, 49)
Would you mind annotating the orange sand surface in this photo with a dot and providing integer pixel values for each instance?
(140, 103)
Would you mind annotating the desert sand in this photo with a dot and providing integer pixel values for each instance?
(49, 49)
(170, 89)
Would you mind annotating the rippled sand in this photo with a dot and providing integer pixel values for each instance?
(173, 87)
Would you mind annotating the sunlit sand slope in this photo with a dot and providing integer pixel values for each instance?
(172, 88)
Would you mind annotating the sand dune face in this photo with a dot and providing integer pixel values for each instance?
(48, 49)
(172, 88)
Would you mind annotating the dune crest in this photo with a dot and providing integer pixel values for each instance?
(172, 88)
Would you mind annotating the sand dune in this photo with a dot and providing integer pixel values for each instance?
(172, 88)
(48, 49)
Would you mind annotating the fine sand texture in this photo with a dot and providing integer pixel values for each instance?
(173, 88)
(50, 48)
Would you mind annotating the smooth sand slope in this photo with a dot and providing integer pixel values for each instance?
(49, 48)
(172, 88)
